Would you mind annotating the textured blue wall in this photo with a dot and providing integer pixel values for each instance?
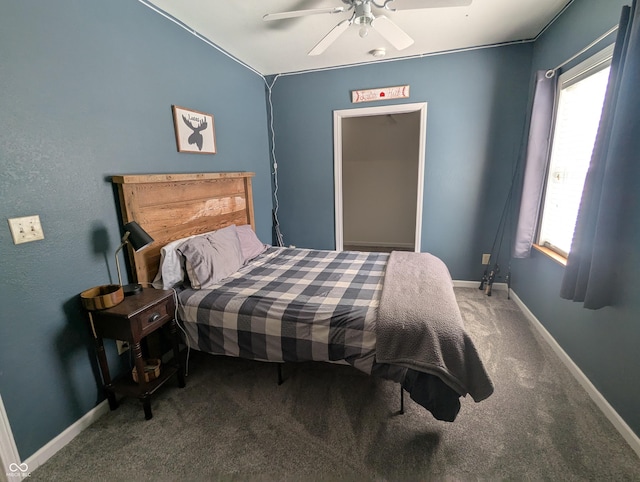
(603, 343)
(476, 109)
(86, 92)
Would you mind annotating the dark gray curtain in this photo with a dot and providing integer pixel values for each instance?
(607, 205)
(536, 160)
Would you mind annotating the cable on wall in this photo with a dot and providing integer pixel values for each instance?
(274, 173)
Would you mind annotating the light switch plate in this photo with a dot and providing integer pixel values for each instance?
(26, 229)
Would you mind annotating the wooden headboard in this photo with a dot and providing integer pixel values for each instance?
(174, 206)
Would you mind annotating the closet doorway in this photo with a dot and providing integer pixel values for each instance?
(379, 175)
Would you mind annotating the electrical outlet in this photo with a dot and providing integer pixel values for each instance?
(26, 229)
(486, 258)
(123, 346)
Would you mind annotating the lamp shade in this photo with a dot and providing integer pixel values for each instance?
(138, 237)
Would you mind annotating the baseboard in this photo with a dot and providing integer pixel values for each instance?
(476, 284)
(602, 403)
(50, 449)
(9, 455)
(379, 243)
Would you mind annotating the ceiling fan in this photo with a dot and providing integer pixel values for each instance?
(364, 17)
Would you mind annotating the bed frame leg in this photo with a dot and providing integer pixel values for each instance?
(279, 366)
(401, 401)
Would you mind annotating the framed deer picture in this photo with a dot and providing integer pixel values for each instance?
(195, 131)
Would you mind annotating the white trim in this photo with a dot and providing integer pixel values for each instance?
(338, 115)
(597, 61)
(606, 408)
(382, 244)
(50, 449)
(476, 284)
(183, 25)
(8, 450)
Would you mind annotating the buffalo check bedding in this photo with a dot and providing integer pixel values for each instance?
(298, 305)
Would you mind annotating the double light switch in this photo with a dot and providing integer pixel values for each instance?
(26, 229)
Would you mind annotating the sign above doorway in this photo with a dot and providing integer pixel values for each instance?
(381, 93)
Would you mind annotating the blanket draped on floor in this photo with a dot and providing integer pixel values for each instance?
(419, 325)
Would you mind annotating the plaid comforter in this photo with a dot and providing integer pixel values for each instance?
(294, 305)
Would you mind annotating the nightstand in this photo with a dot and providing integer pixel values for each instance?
(136, 317)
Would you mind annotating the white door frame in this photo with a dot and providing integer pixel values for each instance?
(338, 115)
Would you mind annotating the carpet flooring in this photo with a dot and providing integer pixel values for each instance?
(232, 422)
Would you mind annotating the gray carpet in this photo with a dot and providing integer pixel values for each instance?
(329, 422)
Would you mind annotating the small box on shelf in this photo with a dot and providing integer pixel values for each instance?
(151, 370)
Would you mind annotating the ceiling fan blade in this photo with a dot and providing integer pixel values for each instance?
(415, 4)
(391, 32)
(301, 13)
(331, 37)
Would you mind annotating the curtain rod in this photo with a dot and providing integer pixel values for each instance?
(551, 72)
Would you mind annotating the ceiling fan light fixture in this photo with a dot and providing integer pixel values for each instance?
(365, 19)
(363, 15)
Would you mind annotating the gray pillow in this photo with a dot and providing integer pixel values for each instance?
(212, 257)
(250, 245)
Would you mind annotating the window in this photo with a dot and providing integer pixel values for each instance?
(581, 92)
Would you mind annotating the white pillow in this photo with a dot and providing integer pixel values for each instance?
(249, 243)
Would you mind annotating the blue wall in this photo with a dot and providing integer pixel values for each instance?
(86, 92)
(476, 109)
(603, 343)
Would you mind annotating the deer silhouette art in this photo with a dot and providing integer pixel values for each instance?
(196, 136)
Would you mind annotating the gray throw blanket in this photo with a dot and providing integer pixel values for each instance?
(419, 325)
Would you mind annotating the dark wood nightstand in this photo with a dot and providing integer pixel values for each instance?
(132, 320)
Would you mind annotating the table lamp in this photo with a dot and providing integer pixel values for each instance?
(138, 239)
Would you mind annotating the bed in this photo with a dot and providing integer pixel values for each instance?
(390, 315)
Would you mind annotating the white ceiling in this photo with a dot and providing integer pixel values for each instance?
(281, 46)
